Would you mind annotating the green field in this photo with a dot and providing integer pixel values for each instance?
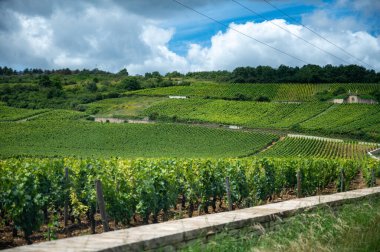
(274, 91)
(301, 147)
(64, 133)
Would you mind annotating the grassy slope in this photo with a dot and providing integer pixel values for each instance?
(62, 133)
(354, 227)
(14, 114)
(292, 147)
(126, 107)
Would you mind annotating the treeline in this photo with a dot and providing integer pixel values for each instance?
(260, 74)
(286, 74)
(8, 71)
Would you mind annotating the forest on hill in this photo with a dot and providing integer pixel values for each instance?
(260, 74)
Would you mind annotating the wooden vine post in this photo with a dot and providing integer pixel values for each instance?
(101, 204)
(342, 187)
(373, 178)
(299, 182)
(66, 207)
(228, 189)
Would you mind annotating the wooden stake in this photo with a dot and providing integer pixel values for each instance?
(342, 187)
(299, 182)
(228, 194)
(66, 207)
(49, 234)
(101, 204)
(373, 182)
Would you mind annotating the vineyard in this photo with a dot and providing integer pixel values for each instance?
(274, 91)
(303, 147)
(67, 133)
(358, 120)
(251, 114)
(177, 165)
(33, 191)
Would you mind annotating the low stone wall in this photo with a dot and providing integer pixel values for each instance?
(316, 138)
(375, 154)
(171, 235)
(109, 120)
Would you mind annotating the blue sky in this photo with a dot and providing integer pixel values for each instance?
(231, 12)
(162, 35)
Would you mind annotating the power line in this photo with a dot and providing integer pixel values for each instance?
(242, 33)
(295, 35)
(325, 39)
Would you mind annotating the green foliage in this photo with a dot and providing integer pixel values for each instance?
(146, 187)
(123, 72)
(376, 95)
(92, 87)
(130, 83)
(14, 114)
(125, 107)
(263, 99)
(339, 91)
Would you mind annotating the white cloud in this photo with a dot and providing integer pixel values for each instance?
(107, 36)
(160, 57)
(230, 49)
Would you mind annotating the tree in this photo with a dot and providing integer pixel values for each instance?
(92, 87)
(130, 84)
(123, 72)
(376, 94)
(174, 74)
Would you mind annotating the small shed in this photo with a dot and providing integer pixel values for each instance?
(354, 98)
(109, 120)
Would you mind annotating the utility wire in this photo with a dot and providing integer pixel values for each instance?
(242, 33)
(295, 35)
(325, 39)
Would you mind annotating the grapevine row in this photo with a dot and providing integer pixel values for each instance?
(33, 189)
(305, 147)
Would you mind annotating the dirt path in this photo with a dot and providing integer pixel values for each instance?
(32, 117)
(272, 144)
(333, 106)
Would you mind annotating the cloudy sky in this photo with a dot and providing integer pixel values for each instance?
(163, 35)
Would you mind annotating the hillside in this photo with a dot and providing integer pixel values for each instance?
(356, 120)
(252, 91)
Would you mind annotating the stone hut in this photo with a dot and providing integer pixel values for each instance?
(354, 98)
